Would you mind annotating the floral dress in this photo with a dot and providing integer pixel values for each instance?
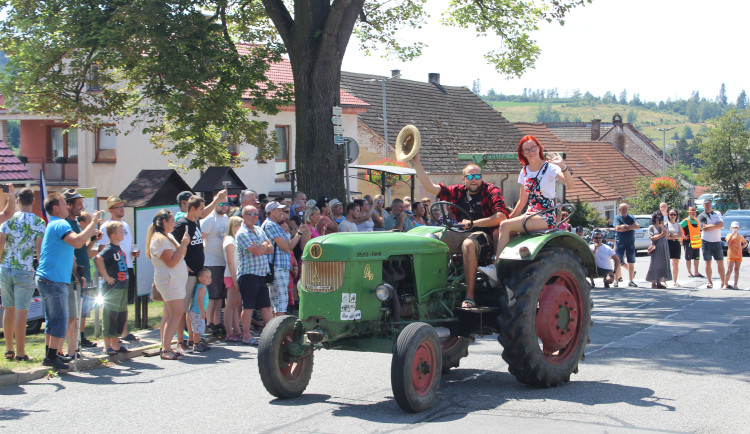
(537, 201)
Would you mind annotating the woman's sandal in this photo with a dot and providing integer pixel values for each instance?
(709, 285)
(25, 358)
(468, 303)
(10, 355)
(175, 355)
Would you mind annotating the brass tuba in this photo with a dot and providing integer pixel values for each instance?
(407, 143)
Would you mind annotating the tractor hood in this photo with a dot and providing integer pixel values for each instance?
(368, 246)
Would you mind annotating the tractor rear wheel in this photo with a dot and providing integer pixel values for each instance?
(454, 349)
(545, 329)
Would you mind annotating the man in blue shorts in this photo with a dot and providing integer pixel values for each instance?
(55, 270)
(625, 226)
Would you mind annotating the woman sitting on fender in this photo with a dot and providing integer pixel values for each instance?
(538, 179)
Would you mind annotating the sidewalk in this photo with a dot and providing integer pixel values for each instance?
(149, 340)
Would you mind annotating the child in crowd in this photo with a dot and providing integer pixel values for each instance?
(114, 270)
(736, 243)
(198, 308)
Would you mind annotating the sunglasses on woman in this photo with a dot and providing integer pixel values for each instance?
(477, 176)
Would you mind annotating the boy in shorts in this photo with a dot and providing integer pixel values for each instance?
(197, 310)
(736, 243)
(113, 268)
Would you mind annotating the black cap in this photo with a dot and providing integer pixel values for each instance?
(185, 195)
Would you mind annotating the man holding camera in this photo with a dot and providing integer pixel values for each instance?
(602, 255)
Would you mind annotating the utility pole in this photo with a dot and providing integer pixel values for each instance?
(664, 150)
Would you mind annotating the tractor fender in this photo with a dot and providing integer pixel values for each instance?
(511, 254)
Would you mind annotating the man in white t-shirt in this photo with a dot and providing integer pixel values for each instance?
(603, 255)
(116, 207)
(711, 223)
(213, 230)
(352, 213)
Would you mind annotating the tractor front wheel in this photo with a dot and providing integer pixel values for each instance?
(283, 374)
(416, 367)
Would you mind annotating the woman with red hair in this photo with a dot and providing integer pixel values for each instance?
(538, 180)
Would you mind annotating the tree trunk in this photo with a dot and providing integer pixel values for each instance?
(316, 39)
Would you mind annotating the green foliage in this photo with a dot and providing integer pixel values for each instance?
(164, 66)
(587, 216)
(726, 155)
(646, 200)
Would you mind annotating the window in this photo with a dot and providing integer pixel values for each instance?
(106, 145)
(93, 78)
(282, 157)
(63, 143)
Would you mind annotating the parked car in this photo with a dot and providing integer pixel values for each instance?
(733, 212)
(641, 234)
(744, 222)
(35, 317)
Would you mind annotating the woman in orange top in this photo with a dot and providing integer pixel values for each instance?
(735, 245)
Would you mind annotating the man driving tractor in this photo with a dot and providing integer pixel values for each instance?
(486, 206)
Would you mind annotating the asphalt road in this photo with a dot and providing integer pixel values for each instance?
(672, 360)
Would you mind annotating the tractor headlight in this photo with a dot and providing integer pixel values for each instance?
(384, 292)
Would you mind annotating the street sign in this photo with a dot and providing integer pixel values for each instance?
(337, 111)
(338, 130)
(339, 140)
(337, 120)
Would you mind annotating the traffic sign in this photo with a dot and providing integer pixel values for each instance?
(337, 120)
(337, 111)
(339, 140)
(338, 130)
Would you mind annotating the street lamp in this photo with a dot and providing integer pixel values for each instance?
(664, 151)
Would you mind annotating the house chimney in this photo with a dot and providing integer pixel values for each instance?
(596, 129)
(619, 133)
(433, 78)
(395, 73)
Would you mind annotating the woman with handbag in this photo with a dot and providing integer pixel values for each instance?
(170, 276)
(658, 270)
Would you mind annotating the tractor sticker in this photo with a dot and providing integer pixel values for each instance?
(368, 273)
(349, 307)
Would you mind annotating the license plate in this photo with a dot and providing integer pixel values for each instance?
(639, 234)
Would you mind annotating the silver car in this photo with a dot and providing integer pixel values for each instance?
(641, 235)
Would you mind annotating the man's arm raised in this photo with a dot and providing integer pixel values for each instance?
(424, 178)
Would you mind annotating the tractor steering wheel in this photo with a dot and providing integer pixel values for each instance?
(442, 207)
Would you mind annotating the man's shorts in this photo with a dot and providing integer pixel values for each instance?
(55, 302)
(691, 253)
(254, 291)
(603, 272)
(217, 290)
(627, 250)
(17, 287)
(712, 250)
(482, 244)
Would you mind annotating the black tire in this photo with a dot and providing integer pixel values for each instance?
(282, 377)
(454, 349)
(416, 367)
(541, 347)
(34, 326)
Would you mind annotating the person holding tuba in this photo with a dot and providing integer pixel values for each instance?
(484, 203)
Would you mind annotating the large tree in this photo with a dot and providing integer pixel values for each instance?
(726, 155)
(175, 66)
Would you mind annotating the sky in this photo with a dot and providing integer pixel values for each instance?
(658, 48)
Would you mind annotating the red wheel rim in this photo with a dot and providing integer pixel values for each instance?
(290, 369)
(423, 368)
(559, 316)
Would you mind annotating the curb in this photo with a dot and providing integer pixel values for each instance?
(85, 364)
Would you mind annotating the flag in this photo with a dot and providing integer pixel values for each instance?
(43, 194)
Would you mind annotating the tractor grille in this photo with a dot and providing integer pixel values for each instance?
(322, 276)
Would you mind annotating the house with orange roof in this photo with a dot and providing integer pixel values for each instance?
(72, 158)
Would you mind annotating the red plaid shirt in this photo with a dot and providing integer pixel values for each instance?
(491, 198)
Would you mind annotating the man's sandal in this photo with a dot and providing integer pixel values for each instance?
(10, 355)
(175, 355)
(468, 303)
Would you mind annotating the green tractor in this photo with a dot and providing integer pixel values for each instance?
(401, 293)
